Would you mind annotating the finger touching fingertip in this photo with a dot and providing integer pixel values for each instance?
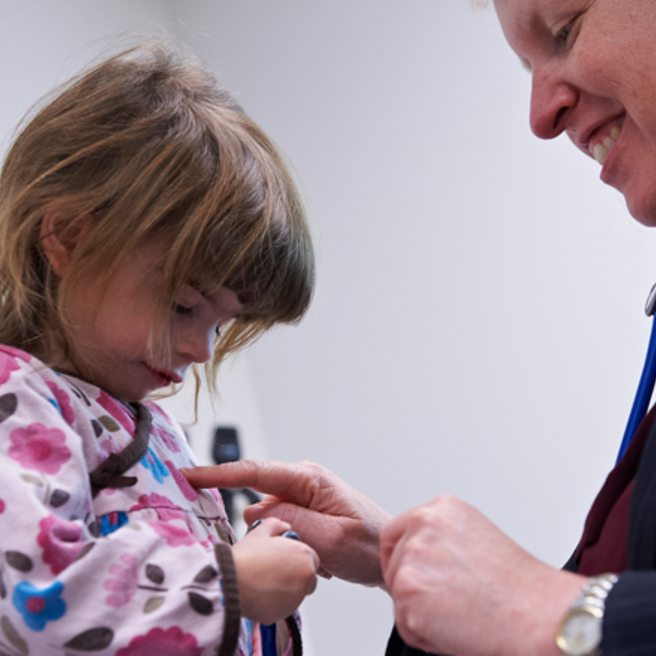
(253, 513)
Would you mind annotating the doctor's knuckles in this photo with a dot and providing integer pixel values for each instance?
(446, 566)
(337, 521)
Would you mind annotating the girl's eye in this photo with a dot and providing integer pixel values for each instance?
(178, 308)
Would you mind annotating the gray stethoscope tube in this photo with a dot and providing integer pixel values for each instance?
(647, 380)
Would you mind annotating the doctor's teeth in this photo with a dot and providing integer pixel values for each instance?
(600, 151)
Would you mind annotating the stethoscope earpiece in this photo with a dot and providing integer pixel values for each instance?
(650, 304)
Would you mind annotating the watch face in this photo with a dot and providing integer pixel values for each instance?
(580, 633)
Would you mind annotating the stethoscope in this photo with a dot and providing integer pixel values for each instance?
(637, 414)
(268, 632)
(647, 380)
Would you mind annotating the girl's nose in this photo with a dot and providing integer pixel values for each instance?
(197, 345)
(552, 101)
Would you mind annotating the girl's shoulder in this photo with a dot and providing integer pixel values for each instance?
(12, 359)
(10, 352)
(18, 367)
(22, 372)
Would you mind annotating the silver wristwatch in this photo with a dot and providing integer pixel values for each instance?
(580, 631)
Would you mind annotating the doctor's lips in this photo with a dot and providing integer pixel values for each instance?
(602, 139)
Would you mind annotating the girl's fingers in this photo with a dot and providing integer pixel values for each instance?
(269, 527)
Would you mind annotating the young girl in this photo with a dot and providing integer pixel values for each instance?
(146, 226)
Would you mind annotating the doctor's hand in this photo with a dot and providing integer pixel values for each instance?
(338, 522)
(274, 573)
(461, 586)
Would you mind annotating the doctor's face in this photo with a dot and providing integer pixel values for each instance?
(593, 67)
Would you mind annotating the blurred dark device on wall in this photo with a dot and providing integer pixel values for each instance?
(225, 448)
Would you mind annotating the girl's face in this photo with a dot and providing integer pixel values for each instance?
(593, 64)
(111, 343)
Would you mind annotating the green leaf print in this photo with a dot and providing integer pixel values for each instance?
(153, 604)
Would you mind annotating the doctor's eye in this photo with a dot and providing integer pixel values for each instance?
(566, 34)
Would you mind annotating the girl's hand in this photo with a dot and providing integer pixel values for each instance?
(340, 523)
(274, 573)
(461, 586)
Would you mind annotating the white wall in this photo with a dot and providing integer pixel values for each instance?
(477, 327)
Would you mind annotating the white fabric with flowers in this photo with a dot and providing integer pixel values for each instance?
(130, 572)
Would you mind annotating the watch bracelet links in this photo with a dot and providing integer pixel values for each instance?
(595, 591)
(592, 599)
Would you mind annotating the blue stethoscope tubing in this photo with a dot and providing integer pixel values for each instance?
(268, 635)
(268, 632)
(647, 381)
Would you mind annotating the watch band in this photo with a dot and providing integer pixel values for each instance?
(595, 591)
(580, 631)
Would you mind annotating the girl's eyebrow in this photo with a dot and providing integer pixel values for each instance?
(197, 287)
(201, 289)
(207, 295)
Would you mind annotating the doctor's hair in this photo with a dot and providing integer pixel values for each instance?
(148, 144)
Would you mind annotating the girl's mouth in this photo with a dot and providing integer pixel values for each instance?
(164, 378)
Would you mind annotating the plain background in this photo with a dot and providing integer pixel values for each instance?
(477, 327)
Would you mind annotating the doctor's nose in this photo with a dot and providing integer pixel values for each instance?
(552, 101)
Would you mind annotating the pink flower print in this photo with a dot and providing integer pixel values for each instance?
(123, 582)
(170, 441)
(2, 506)
(16, 353)
(39, 448)
(117, 411)
(172, 642)
(189, 493)
(60, 541)
(166, 510)
(215, 494)
(174, 535)
(63, 401)
(215, 497)
(156, 410)
(105, 448)
(7, 365)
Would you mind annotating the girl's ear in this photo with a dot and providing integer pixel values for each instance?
(61, 235)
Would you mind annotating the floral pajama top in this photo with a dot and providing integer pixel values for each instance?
(138, 571)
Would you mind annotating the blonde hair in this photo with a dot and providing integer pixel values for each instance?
(149, 144)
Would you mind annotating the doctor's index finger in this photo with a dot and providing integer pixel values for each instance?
(284, 480)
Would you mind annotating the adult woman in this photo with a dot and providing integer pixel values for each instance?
(459, 585)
